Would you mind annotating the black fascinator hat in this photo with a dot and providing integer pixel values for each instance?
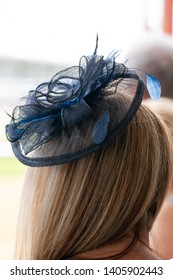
(78, 111)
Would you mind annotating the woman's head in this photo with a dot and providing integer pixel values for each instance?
(107, 160)
(113, 193)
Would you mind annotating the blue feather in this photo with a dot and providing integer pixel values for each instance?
(100, 129)
(153, 86)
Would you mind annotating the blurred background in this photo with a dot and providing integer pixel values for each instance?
(40, 37)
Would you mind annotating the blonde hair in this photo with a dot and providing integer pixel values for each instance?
(82, 205)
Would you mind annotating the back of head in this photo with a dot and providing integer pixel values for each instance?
(102, 161)
(113, 193)
(154, 54)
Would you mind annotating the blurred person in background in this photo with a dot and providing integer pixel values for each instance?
(154, 54)
(162, 231)
(99, 162)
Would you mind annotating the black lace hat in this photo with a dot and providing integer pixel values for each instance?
(78, 111)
